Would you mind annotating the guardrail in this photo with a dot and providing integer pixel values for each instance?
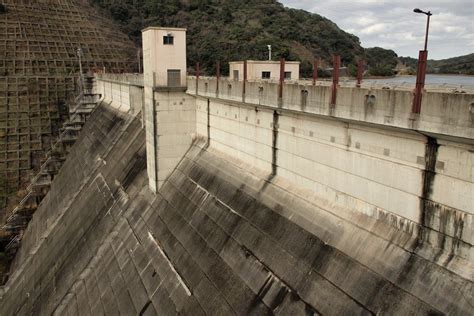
(132, 79)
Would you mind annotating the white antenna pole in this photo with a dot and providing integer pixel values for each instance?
(269, 52)
(79, 55)
(139, 61)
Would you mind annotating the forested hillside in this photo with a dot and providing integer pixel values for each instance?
(382, 61)
(238, 29)
(228, 30)
(456, 65)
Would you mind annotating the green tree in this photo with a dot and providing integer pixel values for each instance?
(228, 30)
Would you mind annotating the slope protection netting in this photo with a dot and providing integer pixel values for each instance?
(38, 59)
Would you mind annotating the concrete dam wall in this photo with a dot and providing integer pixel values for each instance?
(215, 239)
(208, 200)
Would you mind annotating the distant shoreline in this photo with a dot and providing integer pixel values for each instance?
(433, 74)
(409, 76)
(431, 79)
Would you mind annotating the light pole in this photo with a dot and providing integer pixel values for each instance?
(79, 56)
(421, 72)
(428, 14)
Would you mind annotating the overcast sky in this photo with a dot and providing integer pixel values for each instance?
(393, 25)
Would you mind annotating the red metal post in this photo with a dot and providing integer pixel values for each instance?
(420, 81)
(198, 70)
(315, 71)
(218, 75)
(245, 79)
(335, 77)
(360, 72)
(282, 77)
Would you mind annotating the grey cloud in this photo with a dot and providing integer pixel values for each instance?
(392, 24)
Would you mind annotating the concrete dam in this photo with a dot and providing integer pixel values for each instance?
(209, 196)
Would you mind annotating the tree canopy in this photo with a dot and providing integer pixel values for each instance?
(228, 30)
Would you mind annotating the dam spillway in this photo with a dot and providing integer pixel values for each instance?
(267, 206)
(214, 239)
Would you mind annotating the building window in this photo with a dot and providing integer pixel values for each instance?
(266, 74)
(168, 40)
(236, 75)
(287, 75)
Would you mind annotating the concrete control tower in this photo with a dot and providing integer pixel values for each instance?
(164, 57)
(169, 112)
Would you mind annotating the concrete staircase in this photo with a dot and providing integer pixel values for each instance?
(80, 110)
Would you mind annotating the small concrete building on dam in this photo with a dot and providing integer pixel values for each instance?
(264, 69)
(214, 196)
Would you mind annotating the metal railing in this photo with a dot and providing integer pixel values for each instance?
(368, 84)
(132, 79)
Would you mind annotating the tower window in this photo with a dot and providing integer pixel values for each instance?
(288, 75)
(168, 40)
(266, 74)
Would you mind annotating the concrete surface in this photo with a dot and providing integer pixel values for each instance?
(413, 180)
(217, 238)
(169, 113)
(446, 113)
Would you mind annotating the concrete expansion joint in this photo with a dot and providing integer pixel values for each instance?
(170, 264)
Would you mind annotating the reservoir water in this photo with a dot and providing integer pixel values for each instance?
(431, 79)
